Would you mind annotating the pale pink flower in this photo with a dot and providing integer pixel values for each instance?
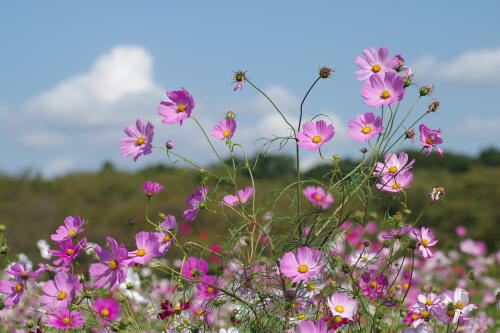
(318, 197)
(303, 265)
(314, 135)
(241, 197)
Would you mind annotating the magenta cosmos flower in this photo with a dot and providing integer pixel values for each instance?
(317, 196)
(139, 141)
(376, 63)
(342, 306)
(195, 201)
(68, 252)
(193, 268)
(107, 310)
(207, 291)
(385, 90)
(152, 188)
(426, 240)
(393, 164)
(241, 197)
(59, 292)
(20, 269)
(430, 139)
(179, 109)
(72, 227)
(63, 318)
(167, 227)
(148, 247)
(14, 290)
(315, 134)
(365, 127)
(112, 267)
(396, 233)
(224, 129)
(396, 183)
(308, 326)
(303, 265)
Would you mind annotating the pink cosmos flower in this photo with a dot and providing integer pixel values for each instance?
(107, 310)
(393, 233)
(224, 129)
(179, 110)
(374, 287)
(139, 141)
(112, 267)
(147, 248)
(193, 268)
(383, 91)
(206, 291)
(342, 306)
(473, 248)
(303, 265)
(422, 328)
(461, 230)
(168, 226)
(152, 188)
(317, 196)
(376, 63)
(59, 292)
(457, 306)
(308, 326)
(14, 290)
(315, 134)
(430, 139)
(195, 201)
(241, 197)
(20, 269)
(430, 303)
(395, 183)
(393, 164)
(426, 240)
(68, 252)
(72, 227)
(365, 127)
(63, 318)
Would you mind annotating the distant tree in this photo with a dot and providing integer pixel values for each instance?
(490, 157)
(107, 166)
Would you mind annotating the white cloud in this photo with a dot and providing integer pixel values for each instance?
(42, 139)
(118, 84)
(58, 166)
(478, 128)
(470, 67)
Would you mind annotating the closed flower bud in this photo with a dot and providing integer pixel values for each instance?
(425, 90)
(162, 216)
(406, 81)
(406, 211)
(325, 72)
(433, 106)
(169, 144)
(30, 324)
(366, 243)
(2, 305)
(410, 133)
(230, 115)
(129, 286)
(345, 268)
(239, 76)
(363, 150)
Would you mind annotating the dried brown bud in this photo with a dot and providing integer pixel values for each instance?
(325, 72)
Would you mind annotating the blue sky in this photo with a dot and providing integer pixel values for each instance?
(74, 73)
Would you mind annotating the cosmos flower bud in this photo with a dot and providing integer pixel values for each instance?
(2, 305)
(230, 115)
(406, 81)
(425, 90)
(366, 243)
(162, 216)
(363, 150)
(169, 144)
(129, 286)
(433, 106)
(406, 211)
(325, 72)
(410, 133)
(239, 76)
(30, 324)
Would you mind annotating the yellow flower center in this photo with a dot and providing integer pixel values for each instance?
(70, 252)
(210, 290)
(112, 264)
(310, 285)
(450, 313)
(317, 139)
(406, 285)
(72, 233)
(396, 186)
(140, 140)
(425, 314)
(339, 308)
(376, 68)
(181, 107)
(385, 94)
(177, 307)
(167, 238)
(61, 295)
(19, 287)
(318, 197)
(425, 242)
(393, 169)
(366, 129)
(66, 321)
(226, 133)
(105, 312)
(301, 316)
(141, 252)
(303, 268)
(199, 312)
(429, 141)
(337, 319)
(459, 305)
(374, 285)
(414, 316)
(428, 302)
